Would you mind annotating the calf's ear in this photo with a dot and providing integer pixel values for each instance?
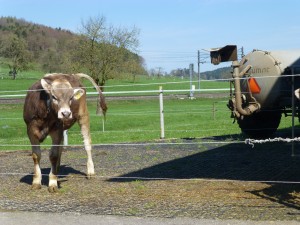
(78, 92)
(46, 85)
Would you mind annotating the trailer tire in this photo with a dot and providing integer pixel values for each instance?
(262, 124)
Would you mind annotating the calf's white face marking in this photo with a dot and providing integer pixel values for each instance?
(62, 94)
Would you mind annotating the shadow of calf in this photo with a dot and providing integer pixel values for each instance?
(63, 172)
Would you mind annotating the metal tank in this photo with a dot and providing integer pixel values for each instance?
(267, 86)
(262, 88)
(268, 70)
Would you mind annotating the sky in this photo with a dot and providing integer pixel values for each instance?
(172, 31)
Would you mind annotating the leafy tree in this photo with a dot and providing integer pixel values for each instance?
(103, 50)
(51, 61)
(14, 49)
(133, 66)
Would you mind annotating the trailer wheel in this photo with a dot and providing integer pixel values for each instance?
(262, 124)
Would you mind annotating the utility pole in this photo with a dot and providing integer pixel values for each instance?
(242, 49)
(159, 72)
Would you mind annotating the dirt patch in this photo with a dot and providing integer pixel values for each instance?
(189, 179)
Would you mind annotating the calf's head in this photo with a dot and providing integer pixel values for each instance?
(61, 95)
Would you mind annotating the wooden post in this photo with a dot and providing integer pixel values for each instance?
(214, 110)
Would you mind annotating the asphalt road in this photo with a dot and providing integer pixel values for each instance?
(21, 218)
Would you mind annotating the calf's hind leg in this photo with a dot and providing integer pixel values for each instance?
(34, 137)
(85, 131)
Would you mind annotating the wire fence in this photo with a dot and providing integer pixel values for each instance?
(186, 127)
(197, 110)
(203, 109)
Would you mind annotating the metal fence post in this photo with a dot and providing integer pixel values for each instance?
(161, 113)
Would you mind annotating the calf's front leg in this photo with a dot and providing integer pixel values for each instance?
(37, 176)
(55, 156)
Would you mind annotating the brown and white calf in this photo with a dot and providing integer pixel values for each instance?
(52, 105)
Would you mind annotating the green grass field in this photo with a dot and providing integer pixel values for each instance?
(141, 83)
(130, 120)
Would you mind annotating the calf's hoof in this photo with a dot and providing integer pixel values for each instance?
(53, 189)
(90, 176)
(36, 186)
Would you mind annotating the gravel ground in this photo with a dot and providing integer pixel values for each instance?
(184, 178)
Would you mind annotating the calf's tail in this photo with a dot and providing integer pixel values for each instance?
(101, 105)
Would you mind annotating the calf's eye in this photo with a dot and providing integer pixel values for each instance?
(71, 99)
(54, 99)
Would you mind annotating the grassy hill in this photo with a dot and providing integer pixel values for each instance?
(52, 49)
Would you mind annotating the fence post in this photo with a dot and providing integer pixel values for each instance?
(214, 110)
(191, 69)
(161, 113)
(103, 124)
(65, 137)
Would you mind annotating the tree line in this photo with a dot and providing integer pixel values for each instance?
(103, 51)
(220, 73)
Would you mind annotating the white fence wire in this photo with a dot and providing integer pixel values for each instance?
(247, 141)
(196, 111)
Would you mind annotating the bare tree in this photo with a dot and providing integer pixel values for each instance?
(102, 49)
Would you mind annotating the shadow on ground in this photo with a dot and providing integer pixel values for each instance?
(267, 162)
(270, 163)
